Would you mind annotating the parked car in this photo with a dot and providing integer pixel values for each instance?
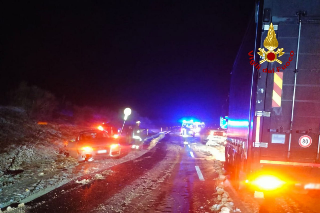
(216, 137)
(93, 143)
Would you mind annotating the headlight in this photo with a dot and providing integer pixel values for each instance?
(114, 146)
(87, 149)
(115, 136)
(268, 182)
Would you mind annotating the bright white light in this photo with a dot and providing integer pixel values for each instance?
(114, 146)
(268, 182)
(127, 112)
(87, 149)
(192, 155)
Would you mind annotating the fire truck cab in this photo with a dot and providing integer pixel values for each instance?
(191, 128)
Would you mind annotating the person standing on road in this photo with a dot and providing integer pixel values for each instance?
(137, 136)
(129, 134)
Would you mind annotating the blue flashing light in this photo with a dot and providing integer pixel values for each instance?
(189, 120)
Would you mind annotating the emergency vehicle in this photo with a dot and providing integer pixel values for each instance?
(191, 128)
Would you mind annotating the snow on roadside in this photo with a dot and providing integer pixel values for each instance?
(216, 151)
(143, 187)
(223, 202)
(31, 183)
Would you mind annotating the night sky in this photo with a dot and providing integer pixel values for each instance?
(165, 59)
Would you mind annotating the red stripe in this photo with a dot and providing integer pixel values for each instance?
(277, 89)
(289, 163)
(280, 74)
(274, 104)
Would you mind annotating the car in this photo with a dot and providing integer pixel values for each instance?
(91, 144)
(216, 137)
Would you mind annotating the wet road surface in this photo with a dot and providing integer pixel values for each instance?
(171, 177)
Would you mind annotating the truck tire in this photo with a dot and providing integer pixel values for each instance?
(235, 172)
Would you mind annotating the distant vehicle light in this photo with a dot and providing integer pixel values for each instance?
(114, 146)
(87, 149)
(115, 136)
(100, 128)
(42, 123)
(268, 182)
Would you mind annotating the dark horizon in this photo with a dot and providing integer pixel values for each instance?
(166, 60)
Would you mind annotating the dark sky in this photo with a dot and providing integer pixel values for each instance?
(165, 59)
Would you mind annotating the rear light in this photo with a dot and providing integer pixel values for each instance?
(87, 149)
(114, 146)
(42, 123)
(267, 182)
(115, 136)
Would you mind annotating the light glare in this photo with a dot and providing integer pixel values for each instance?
(268, 182)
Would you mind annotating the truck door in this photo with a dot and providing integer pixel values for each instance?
(304, 146)
(299, 110)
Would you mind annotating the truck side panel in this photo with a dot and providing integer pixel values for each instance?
(306, 113)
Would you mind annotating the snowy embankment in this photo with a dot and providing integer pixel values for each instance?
(30, 162)
(223, 201)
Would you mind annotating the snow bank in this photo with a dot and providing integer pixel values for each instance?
(30, 160)
(223, 202)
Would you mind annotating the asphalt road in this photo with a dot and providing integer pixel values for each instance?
(168, 178)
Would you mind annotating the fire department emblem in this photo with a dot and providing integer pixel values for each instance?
(270, 43)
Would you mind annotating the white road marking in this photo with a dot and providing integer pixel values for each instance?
(199, 173)
(191, 153)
